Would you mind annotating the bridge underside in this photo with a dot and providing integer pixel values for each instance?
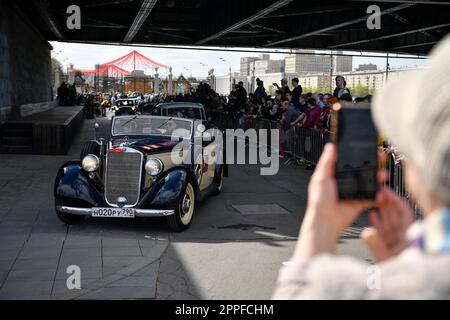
(407, 26)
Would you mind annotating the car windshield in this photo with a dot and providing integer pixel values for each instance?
(183, 112)
(123, 103)
(145, 125)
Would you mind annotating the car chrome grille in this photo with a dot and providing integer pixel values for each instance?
(123, 176)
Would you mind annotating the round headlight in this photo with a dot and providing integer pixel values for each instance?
(153, 166)
(90, 163)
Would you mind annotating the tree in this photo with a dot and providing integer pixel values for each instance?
(359, 91)
(78, 73)
(56, 65)
(323, 90)
(316, 90)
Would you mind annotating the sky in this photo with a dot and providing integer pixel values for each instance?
(188, 62)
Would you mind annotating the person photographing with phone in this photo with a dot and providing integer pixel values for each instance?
(413, 258)
(284, 89)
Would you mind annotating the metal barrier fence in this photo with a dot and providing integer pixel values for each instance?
(300, 143)
(261, 124)
(307, 144)
(304, 143)
(397, 182)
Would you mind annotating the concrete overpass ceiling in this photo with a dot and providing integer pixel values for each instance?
(407, 26)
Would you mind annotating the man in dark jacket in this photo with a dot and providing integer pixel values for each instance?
(241, 94)
(260, 91)
(296, 92)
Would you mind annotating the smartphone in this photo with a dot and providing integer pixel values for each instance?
(357, 155)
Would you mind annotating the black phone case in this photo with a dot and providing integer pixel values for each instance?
(355, 182)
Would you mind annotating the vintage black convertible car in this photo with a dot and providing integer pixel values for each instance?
(152, 166)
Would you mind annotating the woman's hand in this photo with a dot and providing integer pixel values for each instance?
(387, 237)
(326, 217)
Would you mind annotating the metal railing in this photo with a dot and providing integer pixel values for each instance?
(306, 145)
(397, 181)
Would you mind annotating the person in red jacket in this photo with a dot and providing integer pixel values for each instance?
(322, 120)
(313, 114)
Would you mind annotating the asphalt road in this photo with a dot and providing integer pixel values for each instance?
(230, 252)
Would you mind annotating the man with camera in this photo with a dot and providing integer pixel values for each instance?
(284, 89)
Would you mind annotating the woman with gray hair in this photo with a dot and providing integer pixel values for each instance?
(413, 257)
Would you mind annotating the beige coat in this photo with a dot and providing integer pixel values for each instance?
(411, 275)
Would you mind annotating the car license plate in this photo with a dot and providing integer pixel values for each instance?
(113, 212)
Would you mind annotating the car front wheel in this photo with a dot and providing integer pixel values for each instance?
(184, 211)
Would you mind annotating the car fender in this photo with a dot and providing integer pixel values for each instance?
(217, 173)
(172, 187)
(71, 182)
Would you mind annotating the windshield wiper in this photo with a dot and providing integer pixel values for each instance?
(129, 120)
(165, 123)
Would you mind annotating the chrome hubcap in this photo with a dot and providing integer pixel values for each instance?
(186, 204)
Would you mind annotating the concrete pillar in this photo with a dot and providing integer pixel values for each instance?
(170, 82)
(25, 65)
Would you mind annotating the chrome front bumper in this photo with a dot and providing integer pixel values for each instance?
(137, 212)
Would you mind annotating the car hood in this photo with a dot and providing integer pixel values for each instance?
(145, 145)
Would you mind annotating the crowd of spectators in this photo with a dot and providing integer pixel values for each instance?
(288, 107)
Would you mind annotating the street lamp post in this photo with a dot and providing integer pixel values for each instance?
(229, 64)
